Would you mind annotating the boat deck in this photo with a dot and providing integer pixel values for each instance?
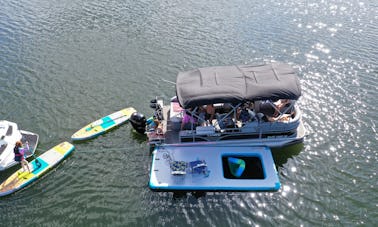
(213, 134)
(213, 168)
(169, 136)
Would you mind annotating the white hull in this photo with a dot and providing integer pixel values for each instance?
(9, 135)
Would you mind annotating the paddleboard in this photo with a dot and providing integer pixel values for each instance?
(104, 124)
(47, 160)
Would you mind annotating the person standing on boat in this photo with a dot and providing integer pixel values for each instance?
(19, 155)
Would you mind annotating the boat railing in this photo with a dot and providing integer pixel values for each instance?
(227, 122)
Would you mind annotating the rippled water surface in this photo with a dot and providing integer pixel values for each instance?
(66, 63)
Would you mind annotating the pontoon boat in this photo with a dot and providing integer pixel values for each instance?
(253, 106)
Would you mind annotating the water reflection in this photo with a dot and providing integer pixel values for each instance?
(142, 139)
(281, 155)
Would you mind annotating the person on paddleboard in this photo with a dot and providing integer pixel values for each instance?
(19, 155)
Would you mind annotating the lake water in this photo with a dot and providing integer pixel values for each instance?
(64, 64)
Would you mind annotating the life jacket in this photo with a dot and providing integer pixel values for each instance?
(17, 154)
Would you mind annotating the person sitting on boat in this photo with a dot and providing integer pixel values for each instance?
(206, 115)
(202, 116)
(284, 110)
(210, 113)
(188, 120)
(281, 118)
(244, 113)
(19, 155)
(284, 106)
(155, 126)
(272, 111)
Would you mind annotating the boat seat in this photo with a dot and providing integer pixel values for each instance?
(205, 130)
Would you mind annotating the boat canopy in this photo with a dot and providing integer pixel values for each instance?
(237, 84)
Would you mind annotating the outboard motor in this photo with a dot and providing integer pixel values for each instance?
(138, 121)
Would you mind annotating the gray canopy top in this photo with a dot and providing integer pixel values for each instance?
(236, 84)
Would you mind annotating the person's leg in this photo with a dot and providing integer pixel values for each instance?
(24, 164)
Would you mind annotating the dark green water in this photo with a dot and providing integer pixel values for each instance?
(64, 64)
